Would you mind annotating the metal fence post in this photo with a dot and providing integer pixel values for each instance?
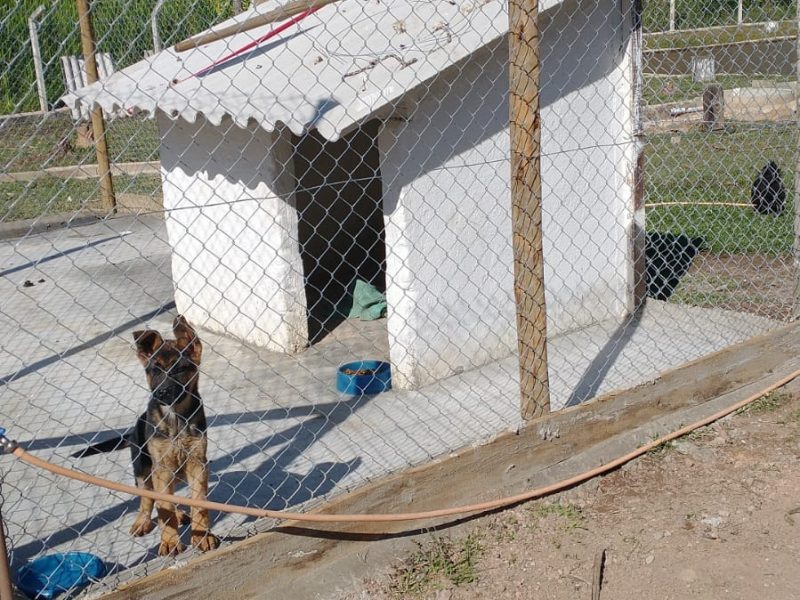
(98, 125)
(37, 58)
(672, 15)
(154, 26)
(526, 206)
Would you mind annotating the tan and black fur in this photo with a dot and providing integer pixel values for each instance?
(169, 440)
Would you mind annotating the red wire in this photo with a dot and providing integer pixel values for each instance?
(253, 44)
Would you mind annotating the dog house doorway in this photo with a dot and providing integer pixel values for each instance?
(341, 229)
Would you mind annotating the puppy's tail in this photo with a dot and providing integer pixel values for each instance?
(116, 443)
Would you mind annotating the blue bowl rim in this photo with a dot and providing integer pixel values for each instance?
(380, 367)
(90, 562)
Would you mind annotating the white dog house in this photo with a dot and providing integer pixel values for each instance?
(372, 140)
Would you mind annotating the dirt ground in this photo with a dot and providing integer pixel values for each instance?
(757, 284)
(712, 515)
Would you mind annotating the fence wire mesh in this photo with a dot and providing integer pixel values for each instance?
(339, 193)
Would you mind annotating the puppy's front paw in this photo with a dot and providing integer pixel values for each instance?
(205, 541)
(170, 544)
(142, 525)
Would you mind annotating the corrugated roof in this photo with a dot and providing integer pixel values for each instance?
(332, 70)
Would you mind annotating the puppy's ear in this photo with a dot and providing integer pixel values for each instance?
(187, 339)
(147, 343)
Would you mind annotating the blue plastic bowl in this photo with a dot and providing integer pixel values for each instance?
(378, 380)
(54, 574)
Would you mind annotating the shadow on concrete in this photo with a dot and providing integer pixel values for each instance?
(596, 373)
(99, 339)
(63, 253)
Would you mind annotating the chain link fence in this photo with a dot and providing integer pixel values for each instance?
(340, 192)
(670, 15)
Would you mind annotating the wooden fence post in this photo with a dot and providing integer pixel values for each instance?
(98, 124)
(796, 299)
(6, 589)
(526, 206)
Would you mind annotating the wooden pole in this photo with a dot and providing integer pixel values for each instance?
(796, 308)
(526, 206)
(98, 124)
(290, 9)
(637, 234)
(713, 107)
(740, 13)
(37, 58)
(6, 591)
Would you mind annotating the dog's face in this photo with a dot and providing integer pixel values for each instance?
(171, 366)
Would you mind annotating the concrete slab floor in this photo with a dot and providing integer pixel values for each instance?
(279, 434)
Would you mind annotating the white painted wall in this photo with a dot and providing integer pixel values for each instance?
(232, 224)
(448, 225)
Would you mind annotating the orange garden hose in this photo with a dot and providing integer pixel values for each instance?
(384, 518)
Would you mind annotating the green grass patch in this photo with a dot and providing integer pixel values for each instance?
(691, 14)
(32, 144)
(51, 195)
(436, 564)
(121, 28)
(719, 167)
(717, 35)
(659, 89)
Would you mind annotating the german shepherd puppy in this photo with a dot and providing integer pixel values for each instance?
(169, 439)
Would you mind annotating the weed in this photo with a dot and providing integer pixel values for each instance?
(571, 514)
(700, 434)
(439, 560)
(766, 404)
(505, 529)
(661, 448)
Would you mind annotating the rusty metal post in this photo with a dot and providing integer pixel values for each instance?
(38, 68)
(6, 591)
(672, 15)
(98, 124)
(526, 206)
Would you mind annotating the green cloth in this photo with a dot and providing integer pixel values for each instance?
(368, 303)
